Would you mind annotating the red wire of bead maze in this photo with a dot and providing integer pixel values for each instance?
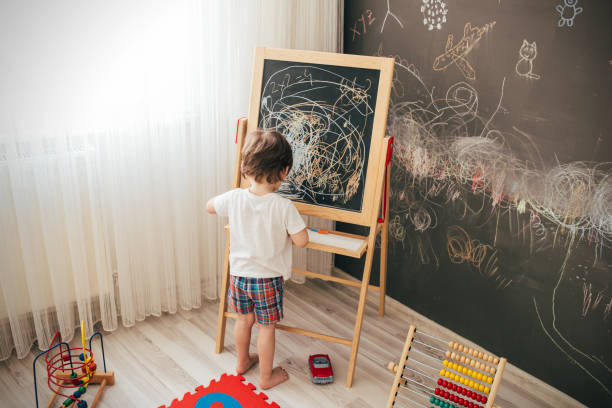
(231, 385)
(62, 362)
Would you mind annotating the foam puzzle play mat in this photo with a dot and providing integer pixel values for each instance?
(229, 392)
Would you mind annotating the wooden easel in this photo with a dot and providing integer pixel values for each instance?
(375, 202)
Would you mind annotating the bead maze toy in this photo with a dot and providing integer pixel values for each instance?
(229, 392)
(72, 368)
(466, 376)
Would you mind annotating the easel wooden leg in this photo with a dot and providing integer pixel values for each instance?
(365, 281)
(384, 242)
(240, 135)
(383, 272)
(223, 299)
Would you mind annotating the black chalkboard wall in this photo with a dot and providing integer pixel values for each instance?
(326, 112)
(501, 192)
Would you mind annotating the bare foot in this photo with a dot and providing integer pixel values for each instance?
(244, 366)
(278, 376)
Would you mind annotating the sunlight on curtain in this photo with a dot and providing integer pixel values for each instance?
(117, 122)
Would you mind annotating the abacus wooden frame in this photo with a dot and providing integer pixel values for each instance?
(398, 370)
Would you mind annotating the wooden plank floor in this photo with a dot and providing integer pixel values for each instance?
(162, 358)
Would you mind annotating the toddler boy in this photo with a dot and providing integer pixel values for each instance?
(263, 226)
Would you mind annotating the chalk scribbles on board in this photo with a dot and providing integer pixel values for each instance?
(326, 133)
(434, 13)
(568, 12)
(389, 13)
(456, 53)
(524, 66)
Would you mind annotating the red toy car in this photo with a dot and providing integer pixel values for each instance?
(321, 369)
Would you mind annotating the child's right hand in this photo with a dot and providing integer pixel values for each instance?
(300, 239)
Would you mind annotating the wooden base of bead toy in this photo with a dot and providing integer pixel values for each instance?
(467, 377)
(70, 372)
(102, 379)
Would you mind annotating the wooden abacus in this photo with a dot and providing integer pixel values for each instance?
(466, 377)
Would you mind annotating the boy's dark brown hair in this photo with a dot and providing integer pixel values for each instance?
(265, 154)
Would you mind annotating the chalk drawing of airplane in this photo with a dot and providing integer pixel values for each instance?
(456, 54)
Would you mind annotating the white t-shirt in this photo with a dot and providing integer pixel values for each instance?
(260, 246)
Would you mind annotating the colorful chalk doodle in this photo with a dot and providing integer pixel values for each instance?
(456, 53)
(365, 22)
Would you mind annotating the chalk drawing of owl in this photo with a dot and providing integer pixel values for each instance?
(434, 13)
(568, 12)
(527, 54)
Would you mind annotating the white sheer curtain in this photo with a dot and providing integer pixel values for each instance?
(117, 121)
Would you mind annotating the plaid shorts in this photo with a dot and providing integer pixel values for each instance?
(264, 296)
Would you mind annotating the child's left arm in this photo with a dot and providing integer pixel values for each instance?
(220, 204)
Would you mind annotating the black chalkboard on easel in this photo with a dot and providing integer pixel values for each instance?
(332, 108)
(326, 113)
